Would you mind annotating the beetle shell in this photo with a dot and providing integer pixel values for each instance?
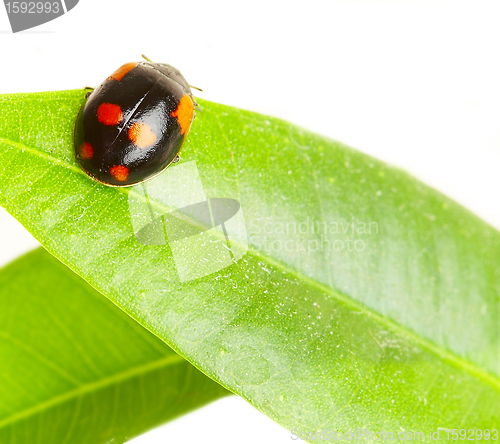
(133, 125)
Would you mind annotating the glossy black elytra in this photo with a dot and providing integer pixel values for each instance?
(133, 125)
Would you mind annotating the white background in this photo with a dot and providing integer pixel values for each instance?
(415, 83)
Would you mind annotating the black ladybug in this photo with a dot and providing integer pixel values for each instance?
(133, 125)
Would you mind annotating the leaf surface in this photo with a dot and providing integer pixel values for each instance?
(76, 369)
(365, 299)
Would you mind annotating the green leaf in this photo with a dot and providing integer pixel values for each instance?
(365, 299)
(76, 369)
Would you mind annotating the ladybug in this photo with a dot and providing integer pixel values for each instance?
(132, 126)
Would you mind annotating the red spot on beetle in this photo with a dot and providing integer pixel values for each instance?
(121, 71)
(86, 151)
(142, 135)
(119, 172)
(109, 114)
(184, 113)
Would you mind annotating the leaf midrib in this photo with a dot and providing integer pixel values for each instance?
(92, 387)
(388, 322)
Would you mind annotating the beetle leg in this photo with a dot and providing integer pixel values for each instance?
(90, 90)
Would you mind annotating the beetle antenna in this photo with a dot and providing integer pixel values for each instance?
(146, 58)
(195, 87)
